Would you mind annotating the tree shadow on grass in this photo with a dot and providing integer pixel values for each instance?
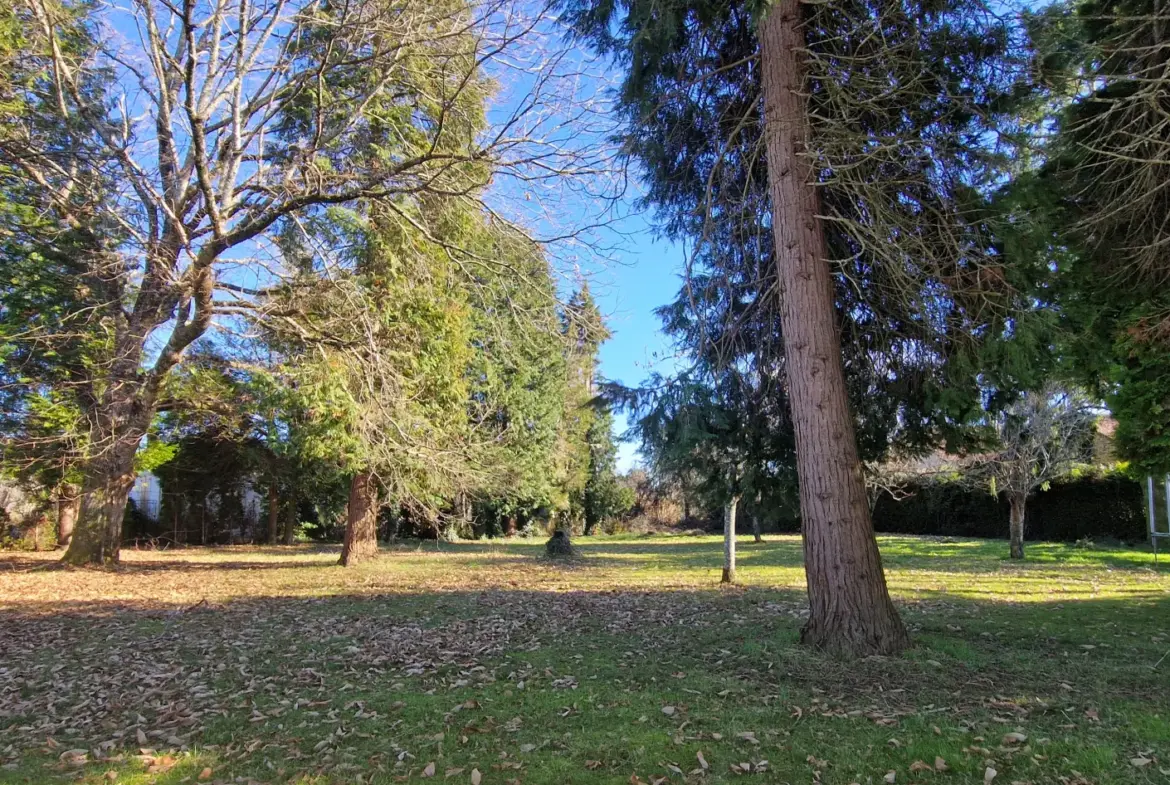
(241, 664)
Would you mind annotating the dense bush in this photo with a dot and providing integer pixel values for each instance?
(1108, 506)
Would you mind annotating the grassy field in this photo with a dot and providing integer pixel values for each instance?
(485, 663)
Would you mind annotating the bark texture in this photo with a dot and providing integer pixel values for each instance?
(273, 513)
(756, 533)
(68, 509)
(729, 540)
(361, 524)
(850, 609)
(1018, 503)
(97, 536)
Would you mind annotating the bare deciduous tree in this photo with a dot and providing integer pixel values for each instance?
(213, 124)
(1042, 437)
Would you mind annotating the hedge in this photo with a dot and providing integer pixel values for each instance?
(1109, 507)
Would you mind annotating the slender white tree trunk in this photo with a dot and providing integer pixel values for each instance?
(729, 540)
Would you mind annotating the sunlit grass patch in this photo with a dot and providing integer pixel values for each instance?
(276, 666)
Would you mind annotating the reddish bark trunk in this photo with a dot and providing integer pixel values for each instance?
(850, 608)
(361, 524)
(1018, 503)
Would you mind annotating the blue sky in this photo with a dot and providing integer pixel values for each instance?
(645, 275)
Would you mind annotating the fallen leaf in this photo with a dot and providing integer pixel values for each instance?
(592, 764)
(1140, 762)
(702, 760)
(668, 711)
(73, 757)
(138, 734)
(920, 765)
(1014, 738)
(940, 764)
(205, 774)
(429, 770)
(988, 775)
(527, 747)
(476, 777)
(891, 775)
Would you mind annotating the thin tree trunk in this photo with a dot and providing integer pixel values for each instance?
(290, 523)
(273, 513)
(729, 540)
(361, 524)
(1018, 502)
(68, 507)
(850, 611)
(756, 528)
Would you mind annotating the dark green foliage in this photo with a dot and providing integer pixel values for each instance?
(604, 498)
(1105, 506)
(1096, 209)
(1141, 401)
(905, 175)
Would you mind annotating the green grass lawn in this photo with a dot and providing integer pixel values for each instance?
(485, 663)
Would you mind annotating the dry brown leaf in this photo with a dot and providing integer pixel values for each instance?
(593, 764)
(205, 774)
(1014, 738)
(702, 760)
(920, 765)
(1140, 761)
(476, 777)
(891, 775)
(988, 775)
(429, 770)
(940, 764)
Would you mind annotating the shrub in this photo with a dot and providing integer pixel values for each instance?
(1099, 506)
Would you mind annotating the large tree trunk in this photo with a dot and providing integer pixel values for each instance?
(68, 508)
(97, 537)
(729, 540)
(273, 513)
(1018, 502)
(361, 524)
(850, 608)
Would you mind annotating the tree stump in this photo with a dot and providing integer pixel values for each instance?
(558, 546)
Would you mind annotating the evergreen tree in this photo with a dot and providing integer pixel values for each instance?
(1096, 206)
(603, 498)
(809, 140)
(584, 330)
